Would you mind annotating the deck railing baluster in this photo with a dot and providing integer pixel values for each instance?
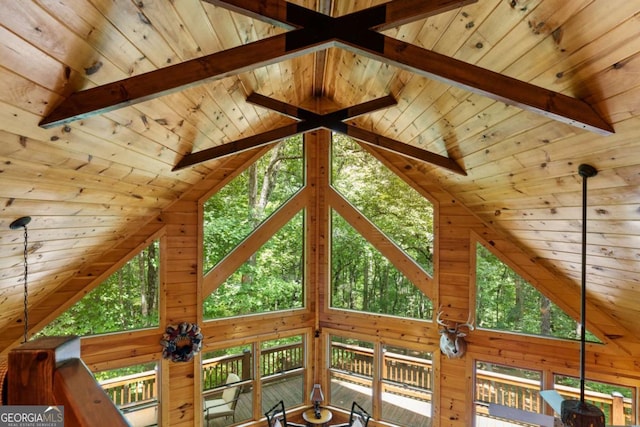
(491, 387)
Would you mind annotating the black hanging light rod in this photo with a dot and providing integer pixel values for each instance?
(579, 413)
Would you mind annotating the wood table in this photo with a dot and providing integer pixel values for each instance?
(310, 417)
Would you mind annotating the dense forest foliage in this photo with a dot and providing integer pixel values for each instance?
(243, 204)
(506, 301)
(273, 278)
(128, 299)
(361, 278)
(398, 210)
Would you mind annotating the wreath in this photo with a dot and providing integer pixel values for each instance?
(181, 342)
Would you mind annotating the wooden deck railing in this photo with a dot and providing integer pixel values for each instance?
(272, 361)
(491, 387)
(132, 389)
(521, 393)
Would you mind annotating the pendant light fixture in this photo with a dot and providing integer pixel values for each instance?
(16, 225)
(578, 413)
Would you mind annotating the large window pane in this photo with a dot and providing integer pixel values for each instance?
(506, 301)
(126, 300)
(226, 384)
(407, 381)
(351, 372)
(133, 389)
(282, 363)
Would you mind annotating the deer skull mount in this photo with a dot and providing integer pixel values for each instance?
(452, 343)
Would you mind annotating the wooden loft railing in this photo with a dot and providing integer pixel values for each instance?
(49, 372)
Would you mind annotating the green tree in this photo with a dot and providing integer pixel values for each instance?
(128, 299)
(398, 210)
(272, 278)
(506, 301)
(239, 207)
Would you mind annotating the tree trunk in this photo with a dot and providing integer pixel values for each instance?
(150, 285)
(258, 195)
(121, 292)
(365, 284)
(545, 315)
(517, 314)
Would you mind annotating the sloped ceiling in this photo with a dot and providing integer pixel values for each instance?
(91, 182)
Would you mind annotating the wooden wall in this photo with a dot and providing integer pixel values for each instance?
(457, 230)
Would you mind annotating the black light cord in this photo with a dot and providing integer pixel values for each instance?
(26, 288)
(17, 224)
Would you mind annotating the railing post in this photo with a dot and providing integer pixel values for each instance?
(154, 386)
(48, 371)
(617, 409)
(32, 367)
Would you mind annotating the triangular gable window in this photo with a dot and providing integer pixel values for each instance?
(270, 280)
(399, 211)
(126, 300)
(243, 204)
(506, 301)
(362, 279)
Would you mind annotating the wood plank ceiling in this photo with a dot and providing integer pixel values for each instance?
(92, 177)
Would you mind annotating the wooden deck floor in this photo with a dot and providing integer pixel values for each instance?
(403, 412)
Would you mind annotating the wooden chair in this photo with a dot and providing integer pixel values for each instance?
(358, 417)
(277, 417)
(226, 405)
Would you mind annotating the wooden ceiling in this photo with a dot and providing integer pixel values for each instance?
(502, 98)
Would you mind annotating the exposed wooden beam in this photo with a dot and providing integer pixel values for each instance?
(218, 65)
(526, 96)
(401, 12)
(240, 145)
(174, 78)
(276, 105)
(404, 149)
(302, 113)
(314, 31)
(309, 120)
(389, 15)
(335, 122)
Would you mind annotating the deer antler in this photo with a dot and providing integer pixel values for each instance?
(468, 324)
(440, 322)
